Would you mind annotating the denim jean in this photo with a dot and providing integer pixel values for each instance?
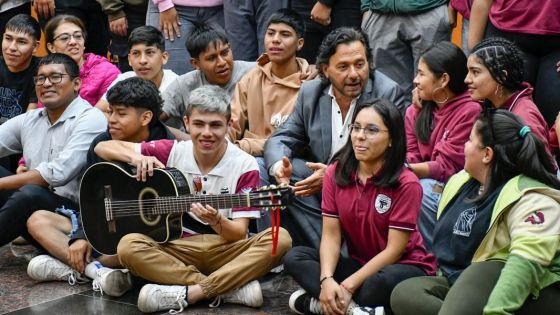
(179, 58)
(428, 210)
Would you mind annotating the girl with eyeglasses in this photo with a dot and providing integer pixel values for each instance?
(66, 34)
(495, 76)
(371, 201)
(497, 238)
(436, 133)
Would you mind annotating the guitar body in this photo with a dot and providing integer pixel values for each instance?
(108, 181)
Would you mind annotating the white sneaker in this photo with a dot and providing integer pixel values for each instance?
(154, 297)
(47, 268)
(113, 282)
(249, 294)
(303, 303)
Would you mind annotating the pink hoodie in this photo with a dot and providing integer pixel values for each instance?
(452, 126)
(97, 74)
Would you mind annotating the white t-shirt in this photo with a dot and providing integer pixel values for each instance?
(168, 77)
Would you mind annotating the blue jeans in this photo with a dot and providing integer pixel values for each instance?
(428, 211)
(179, 58)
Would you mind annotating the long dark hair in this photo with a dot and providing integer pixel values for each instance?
(394, 156)
(514, 153)
(443, 57)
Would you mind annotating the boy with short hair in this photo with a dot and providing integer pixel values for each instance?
(147, 56)
(214, 259)
(134, 105)
(212, 58)
(265, 96)
(18, 66)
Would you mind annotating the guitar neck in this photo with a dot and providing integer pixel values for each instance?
(176, 204)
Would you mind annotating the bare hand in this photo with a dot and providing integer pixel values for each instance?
(205, 213)
(21, 169)
(79, 255)
(321, 14)
(284, 173)
(119, 26)
(558, 66)
(416, 101)
(330, 298)
(145, 166)
(310, 74)
(44, 8)
(169, 24)
(313, 183)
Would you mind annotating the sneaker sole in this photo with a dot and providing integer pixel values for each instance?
(293, 298)
(143, 296)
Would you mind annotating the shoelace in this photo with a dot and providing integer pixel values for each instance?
(74, 278)
(216, 302)
(181, 295)
(96, 286)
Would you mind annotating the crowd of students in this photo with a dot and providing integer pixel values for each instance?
(425, 179)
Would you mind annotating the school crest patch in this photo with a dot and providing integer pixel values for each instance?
(382, 203)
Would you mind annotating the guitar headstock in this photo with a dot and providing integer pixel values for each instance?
(272, 196)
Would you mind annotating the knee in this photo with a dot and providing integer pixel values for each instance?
(292, 260)
(37, 222)
(129, 245)
(284, 242)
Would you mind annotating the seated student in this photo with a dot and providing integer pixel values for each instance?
(371, 201)
(146, 56)
(265, 96)
(211, 56)
(496, 77)
(214, 259)
(17, 68)
(502, 214)
(67, 34)
(54, 141)
(436, 134)
(300, 149)
(134, 105)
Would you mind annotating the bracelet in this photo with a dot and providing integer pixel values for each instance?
(323, 279)
(347, 289)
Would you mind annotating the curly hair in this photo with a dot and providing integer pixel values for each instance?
(503, 59)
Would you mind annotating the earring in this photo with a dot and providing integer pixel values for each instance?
(446, 95)
(499, 91)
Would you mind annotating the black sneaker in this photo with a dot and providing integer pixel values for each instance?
(302, 303)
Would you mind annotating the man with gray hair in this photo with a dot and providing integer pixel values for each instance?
(214, 259)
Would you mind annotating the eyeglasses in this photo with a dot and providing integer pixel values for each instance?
(369, 130)
(64, 38)
(54, 78)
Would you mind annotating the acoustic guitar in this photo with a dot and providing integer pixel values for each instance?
(113, 203)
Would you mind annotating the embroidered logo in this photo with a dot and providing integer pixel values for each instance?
(536, 218)
(382, 203)
(464, 223)
(278, 119)
(445, 134)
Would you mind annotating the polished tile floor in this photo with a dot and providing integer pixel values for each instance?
(21, 295)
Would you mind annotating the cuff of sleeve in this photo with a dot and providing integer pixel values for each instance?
(328, 3)
(43, 170)
(272, 170)
(165, 5)
(115, 16)
(434, 170)
(406, 226)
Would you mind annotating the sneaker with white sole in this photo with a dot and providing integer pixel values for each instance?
(154, 297)
(303, 303)
(47, 268)
(249, 295)
(113, 282)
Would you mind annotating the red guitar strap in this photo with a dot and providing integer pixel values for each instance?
(275, 226)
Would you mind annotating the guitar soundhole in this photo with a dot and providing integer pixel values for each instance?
(147, 206)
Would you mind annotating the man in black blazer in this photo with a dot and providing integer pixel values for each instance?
(297, 153)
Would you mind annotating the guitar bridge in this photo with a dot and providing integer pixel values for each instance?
(109, 209)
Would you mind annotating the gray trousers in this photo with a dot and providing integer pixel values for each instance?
(245, 22)
(468, 296)
(179, 58)
(398, 41)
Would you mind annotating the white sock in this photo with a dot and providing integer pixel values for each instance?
(91, 269)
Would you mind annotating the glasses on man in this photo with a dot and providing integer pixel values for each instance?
(54, 78)
(64, 38)
(369, 130)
